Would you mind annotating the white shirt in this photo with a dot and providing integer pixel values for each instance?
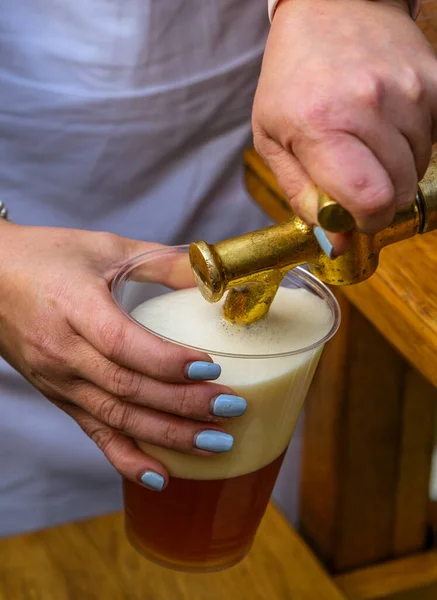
(121, 115)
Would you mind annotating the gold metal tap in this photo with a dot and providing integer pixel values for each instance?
(251, 267)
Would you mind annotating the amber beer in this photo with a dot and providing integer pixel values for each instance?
(199, 524)
(208, 515)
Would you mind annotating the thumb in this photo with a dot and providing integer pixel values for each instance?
(292, 179)
(133, 248)
(149, 261)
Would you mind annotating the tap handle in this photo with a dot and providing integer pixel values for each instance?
(333, 217)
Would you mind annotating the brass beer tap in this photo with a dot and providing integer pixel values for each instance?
(251, 266)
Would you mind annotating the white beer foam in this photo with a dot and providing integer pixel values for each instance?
(274, 388)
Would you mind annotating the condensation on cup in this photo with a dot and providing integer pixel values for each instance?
(207, 517)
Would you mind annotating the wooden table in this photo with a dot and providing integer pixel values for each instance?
(92, 560)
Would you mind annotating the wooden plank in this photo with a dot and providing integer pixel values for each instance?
(321, 454)
(413, 578)
(432, 518)
(427, 21)
(416, 448)
(351, 447)
(400, 299)
(428, 11)
(92, 560)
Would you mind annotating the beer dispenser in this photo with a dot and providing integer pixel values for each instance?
(251, 266)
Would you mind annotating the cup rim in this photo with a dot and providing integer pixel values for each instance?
(300, 273)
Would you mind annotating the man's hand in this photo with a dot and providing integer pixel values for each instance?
(347, 100)
(60, 328)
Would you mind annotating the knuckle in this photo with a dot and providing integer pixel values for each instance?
(259, 145)
(107, 243)
(368, 91)
(114, 413)
(170, 435)
(113, 337)
(163, 358)
(315, 114)
(186, 401)
(42, 350)
(102, 437)
(122, 382)
(412, 85)
(260, 140)
(304, 200)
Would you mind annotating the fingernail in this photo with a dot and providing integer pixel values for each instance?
(153, 480)
(226, 405)
(214, 441)
(203, 371)
(324, 243)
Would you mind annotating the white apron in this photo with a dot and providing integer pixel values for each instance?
(122, 115)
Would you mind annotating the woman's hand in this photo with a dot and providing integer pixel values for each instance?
(347, 100)
(60, 328)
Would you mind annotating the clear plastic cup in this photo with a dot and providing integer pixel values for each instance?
(207, 517)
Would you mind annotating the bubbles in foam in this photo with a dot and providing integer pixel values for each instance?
(296, 319)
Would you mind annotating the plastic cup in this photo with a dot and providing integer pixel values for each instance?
(207, 517)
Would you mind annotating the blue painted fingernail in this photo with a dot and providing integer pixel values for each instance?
(203, 371)
(214, 441)
(226, 405)
(324, 243)
(153, 480)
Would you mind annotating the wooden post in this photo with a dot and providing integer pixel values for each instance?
(368, 440)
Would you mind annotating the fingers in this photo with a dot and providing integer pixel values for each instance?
(368, 167)
(344, 167)
(123, 342)
(205, 401)
(405, 106)
(292, 178)
(301, 192)
(121, 451)
(350, 173)
(147, 425)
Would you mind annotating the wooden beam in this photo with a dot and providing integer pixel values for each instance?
(411, 513)
(353, 430)
(400, 299)
(368, 441)
(413, 578)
